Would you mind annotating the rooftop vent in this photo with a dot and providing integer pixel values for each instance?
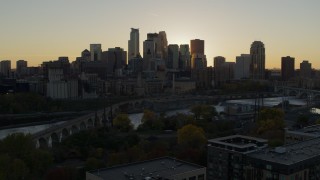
(280, 150)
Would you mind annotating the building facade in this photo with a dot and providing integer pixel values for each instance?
(173, 57)
(95, 52)
(165, 168)
(242, 67)
(257, 67)
(305, 69)
(287, 68)
(133, 44)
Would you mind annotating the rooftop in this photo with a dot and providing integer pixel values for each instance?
(165, 167)
(313, 130)
(240, 143)
(291, 153)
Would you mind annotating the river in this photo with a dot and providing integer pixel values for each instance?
(136, 117)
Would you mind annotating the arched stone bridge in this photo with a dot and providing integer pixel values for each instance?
(55, 134)
(298, 92)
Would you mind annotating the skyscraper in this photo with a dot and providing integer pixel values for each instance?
(133, 44)
(257, 67)
(173, 57)
(163, 44)
(198, 58)
(5, 68)
(197, 46)
(218, 63)
(21, 66)
(149, 51)
(242, 67)
(184, 61)
(305, 69)
(95, 50)
(287, 68)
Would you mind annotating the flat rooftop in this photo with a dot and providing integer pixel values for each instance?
(165, 167)
(291, 153)
(238, 143)
(309, 130)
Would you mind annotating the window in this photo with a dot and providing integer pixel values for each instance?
(269, 167)
(192, 178)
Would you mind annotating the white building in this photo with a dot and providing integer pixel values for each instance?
(58, 87)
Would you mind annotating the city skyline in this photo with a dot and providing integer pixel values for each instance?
(52, 29)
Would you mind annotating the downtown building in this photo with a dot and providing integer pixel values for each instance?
(287, 68)
(164, 168)
(257, 66)
(242, 66)
(247, 158)
(305, 69)
(5, 68)
(133, 44)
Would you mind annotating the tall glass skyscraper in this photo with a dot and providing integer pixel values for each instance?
(258, 57)
(133, 44)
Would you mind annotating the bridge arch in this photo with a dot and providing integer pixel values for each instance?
(43, 143)
(316, 97)
(54, 139)
(303, 95)
(64, 133)
(83, 126)
(293, 93)
(90, 123)
(74, 129)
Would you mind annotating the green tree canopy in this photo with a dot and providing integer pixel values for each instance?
(203, 111)
(191, 136)
(20, 159)
(123, 123)
(151, 121)
(270, 119)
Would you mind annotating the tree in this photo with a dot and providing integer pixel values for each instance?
(191, 136)
(270, 119)
(203, 111)
(123, 123)
(151, 121)
(20, 159)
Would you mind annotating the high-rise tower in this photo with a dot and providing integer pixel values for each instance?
(133, 44)
(287, 68)
(95, 51)
(198, 58)
(257, 66)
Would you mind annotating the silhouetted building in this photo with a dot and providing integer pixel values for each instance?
(242, 67)
(257, 67)
(218, 62)
(21, 67)
(116, 60)
(5, 68)
(305, 69)
(86, 55)
(287, 68)
(173, 57)
(135, 65)
(198, 58)
(95, 52)
(149, 52)
(133, 44)
(184, 58)
(197, 46)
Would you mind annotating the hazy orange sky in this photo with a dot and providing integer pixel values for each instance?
(41, 30)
